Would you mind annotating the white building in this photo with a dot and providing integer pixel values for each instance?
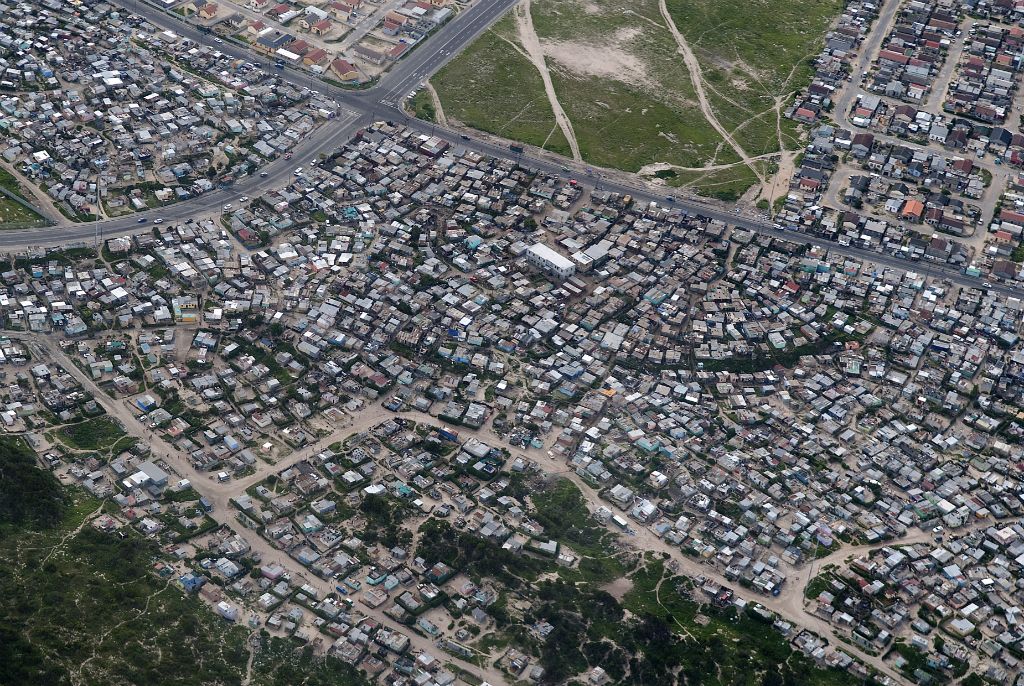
(547, 260)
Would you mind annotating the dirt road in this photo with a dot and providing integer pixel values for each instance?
(223, 513)
(528, 37)
(789, 605)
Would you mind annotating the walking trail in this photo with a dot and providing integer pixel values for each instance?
(528, 37)
(697, 77)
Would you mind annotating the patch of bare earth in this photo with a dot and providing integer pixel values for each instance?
(618, 588)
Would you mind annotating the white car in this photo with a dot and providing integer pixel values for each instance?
(227, 207)
(158, 221)
(244, 198)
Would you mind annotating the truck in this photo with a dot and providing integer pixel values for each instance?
(515, 148)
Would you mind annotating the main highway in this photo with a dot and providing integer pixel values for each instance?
(359, 108)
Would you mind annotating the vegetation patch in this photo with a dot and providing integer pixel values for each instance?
(84, 607)
(422, 106)
(98, 433)
(12, 212)
(563, 513)
(29, 496)
(618, 73)
(493, 87)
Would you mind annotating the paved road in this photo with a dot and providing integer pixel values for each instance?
(382, 102)
(868, 51)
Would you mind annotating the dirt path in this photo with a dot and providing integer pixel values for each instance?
(697, 77)
(438, 110)
(250, 645)
(663, 166)
(98, 642)
(71, 534)
(528, 37)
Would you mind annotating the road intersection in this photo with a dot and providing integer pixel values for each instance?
(358, 108)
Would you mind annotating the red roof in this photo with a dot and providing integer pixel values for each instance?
(342, 67)
(893, 56)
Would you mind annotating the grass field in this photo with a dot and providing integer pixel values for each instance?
(12, 212)
(754, 53)
(492, 87)
(422, 106)
(99, 433)
(618, 75)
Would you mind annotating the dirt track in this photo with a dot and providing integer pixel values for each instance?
(528, 37)
(697, 77)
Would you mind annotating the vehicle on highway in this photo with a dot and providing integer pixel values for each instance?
(218, 40)
(669, 198)
(464, 137)
(142, 220)
(244, 198)
(158, 221)
(986, 284)
(264, 175)
(227, 207)
(298, 171)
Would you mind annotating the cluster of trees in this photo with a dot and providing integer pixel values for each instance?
(440, 541)
(384, 521)
(591, 629)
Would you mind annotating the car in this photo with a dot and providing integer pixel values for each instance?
(227, 207)
(298, 171)
(158, 221)
(986, 284)
(142, 220)
(264, 175)
(464, 137)
(670, 199)
(218, 40)
(937, 530)
(244, 198)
